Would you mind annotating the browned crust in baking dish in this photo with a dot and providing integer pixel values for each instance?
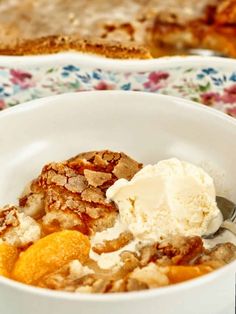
(117, 29)
(55, 44)
(214, 29)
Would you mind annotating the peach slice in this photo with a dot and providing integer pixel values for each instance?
(8, 257)
(178, 274)
(49, 254)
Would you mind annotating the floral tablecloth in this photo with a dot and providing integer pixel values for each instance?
(215, 87)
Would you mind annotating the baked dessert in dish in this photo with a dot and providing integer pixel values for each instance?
(118, 29)
(102, 222)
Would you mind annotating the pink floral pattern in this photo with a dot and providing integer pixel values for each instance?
(229, 95)
(2, 104)
(210, 98)
(22, 79)
(104, 86)
(156, 81)
(215, 87)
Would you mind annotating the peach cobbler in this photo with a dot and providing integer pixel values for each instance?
(102, 222)
(118, 28)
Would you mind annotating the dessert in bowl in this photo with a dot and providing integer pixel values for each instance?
(104, 222)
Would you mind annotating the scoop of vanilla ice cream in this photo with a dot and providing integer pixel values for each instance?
(172, 197)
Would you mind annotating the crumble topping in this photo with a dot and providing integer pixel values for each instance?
(96, 178)
(151, 275)
(77, 270)
(8, 218)
(18, 229)
(113, 245)
(72, 193)
(223, 253)
(145, 269)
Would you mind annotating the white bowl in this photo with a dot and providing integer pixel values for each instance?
(146, 126)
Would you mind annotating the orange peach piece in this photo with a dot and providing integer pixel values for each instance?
(178, 274)
(48, 229)
(8, 257)
(50, 253)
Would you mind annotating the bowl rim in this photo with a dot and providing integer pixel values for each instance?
(169, 290)
(131, 65)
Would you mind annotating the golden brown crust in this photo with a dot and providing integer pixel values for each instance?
(224, 253)
(56, 44)
(118, 29)
(226, 12)
(74, 192)
(193, 36)
(108, 246)
(214, 29)
(181, 250)
(8, 219)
